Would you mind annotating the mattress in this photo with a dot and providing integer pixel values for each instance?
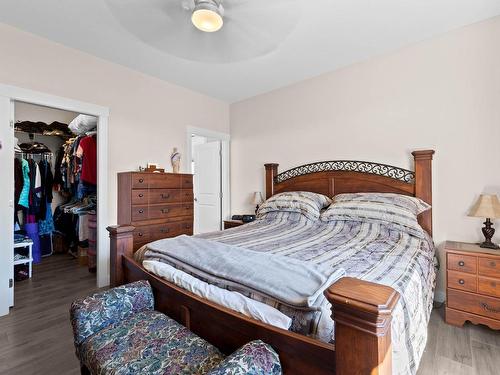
(368, 251)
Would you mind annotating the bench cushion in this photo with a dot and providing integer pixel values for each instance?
(148, 343)
(100, 310)
(254, 358)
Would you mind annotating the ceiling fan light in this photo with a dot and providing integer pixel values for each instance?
(207, 16)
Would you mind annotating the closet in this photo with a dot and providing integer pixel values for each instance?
(55, 169)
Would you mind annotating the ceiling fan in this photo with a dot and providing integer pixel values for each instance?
(207, 16)
(217, 31)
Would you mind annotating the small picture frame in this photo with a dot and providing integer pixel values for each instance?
(152, 166)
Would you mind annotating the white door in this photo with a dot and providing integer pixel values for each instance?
(6, 205)
(207, 187)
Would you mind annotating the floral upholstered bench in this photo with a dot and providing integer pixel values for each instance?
(118, 332)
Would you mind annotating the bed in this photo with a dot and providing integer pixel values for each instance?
(375, 298)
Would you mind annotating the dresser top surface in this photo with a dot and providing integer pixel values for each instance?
(157, 173)
(467, 247)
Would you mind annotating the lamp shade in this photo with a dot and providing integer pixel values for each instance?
(257, 198)
(487, 206)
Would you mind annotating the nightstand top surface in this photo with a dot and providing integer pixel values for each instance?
(469, 248)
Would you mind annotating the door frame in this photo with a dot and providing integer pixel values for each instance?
(225, 140)
(14, 93)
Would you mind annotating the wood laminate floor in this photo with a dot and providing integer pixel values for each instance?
(470, 350)
(36, 337)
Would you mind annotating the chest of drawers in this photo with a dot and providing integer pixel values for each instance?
(472, 285)
(159, 205)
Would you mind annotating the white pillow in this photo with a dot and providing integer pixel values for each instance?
(304, 202)
(394, 210)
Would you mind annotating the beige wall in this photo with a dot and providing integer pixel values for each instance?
(148, 117)
(443, 94)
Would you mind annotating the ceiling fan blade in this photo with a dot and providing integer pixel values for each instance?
(257, 4)
(250, 28)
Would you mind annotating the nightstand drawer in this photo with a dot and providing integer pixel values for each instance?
(474, 303)
(489, 267)
(228, 224)
(462, 281)
(488, 286)
(462, 263)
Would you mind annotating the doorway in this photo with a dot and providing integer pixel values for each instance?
(9, 95)
(209, 161)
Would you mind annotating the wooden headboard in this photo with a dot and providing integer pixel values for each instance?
(348, 176)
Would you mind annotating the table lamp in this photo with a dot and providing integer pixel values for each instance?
(487, 206)
(257, 200)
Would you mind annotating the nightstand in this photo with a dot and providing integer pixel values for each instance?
(232, 223)
(472, 284)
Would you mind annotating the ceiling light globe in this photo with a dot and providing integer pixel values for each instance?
(207, 20)
(207, 15)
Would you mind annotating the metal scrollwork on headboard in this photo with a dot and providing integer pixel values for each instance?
(348, 165)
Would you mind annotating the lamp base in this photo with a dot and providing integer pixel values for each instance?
(488, 232)
(489, 245)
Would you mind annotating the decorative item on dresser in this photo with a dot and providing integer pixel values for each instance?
(473, 285)
(175, 159)
(232, 223)
(487, 206)
(158, 205)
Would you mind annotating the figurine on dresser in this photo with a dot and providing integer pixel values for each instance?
(175, 159)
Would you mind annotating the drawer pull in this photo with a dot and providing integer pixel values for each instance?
(493, 264)
(141, 180)
(165, 211)
(461, 281)
(141, 234)
(164, 230)
(489, 309)
(165, 196)
(187, 226)
(141, 195)
(141, 211)
(461, 263)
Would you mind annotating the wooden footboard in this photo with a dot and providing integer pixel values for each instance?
(361, 310)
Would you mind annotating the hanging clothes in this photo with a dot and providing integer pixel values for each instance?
(58, 179)
(34, 192)
(87, 151)
(45, 222)
(47, 181)
(25, 192)
(18, 179)
(46, 226)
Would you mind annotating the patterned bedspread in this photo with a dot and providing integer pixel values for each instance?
(365, 250)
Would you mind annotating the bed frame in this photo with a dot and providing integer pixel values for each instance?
(362, 310)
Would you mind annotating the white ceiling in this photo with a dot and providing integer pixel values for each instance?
(318, 36)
